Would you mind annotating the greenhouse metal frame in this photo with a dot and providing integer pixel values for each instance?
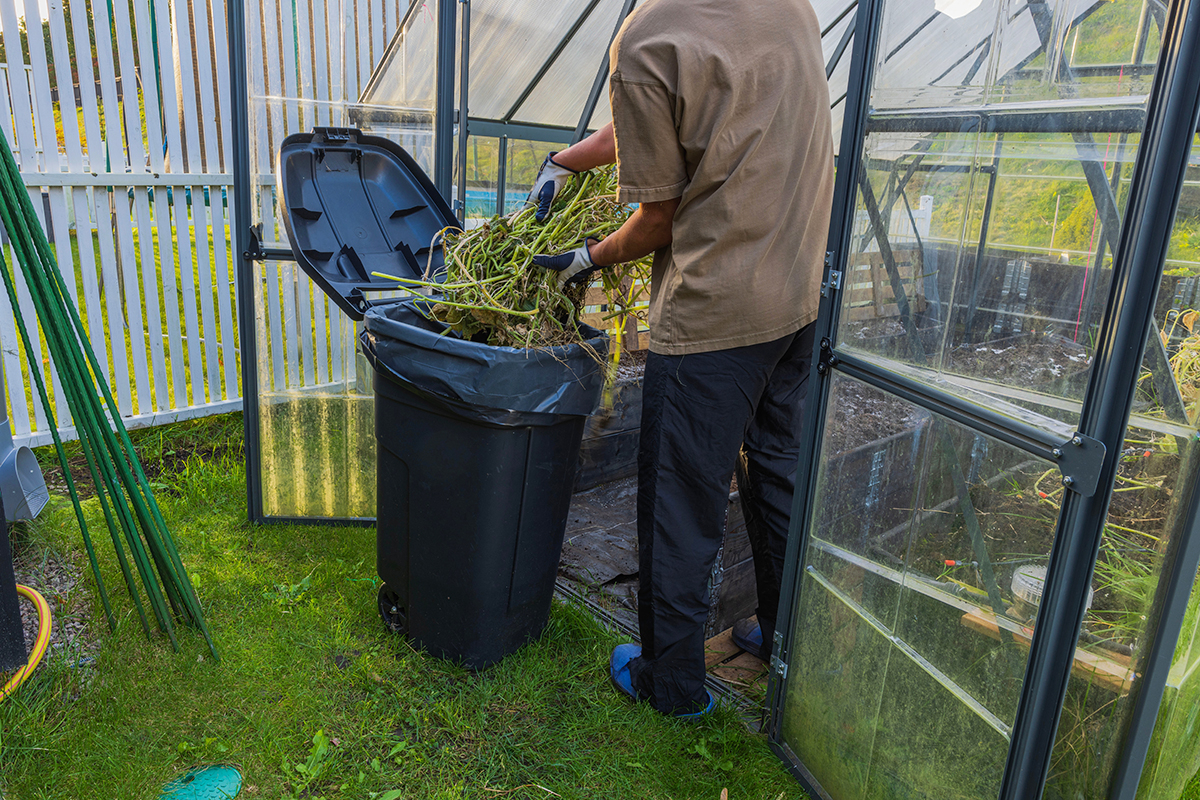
(1079, 435)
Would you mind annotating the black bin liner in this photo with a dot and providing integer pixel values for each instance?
(477, 450)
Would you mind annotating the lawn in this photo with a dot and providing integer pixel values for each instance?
(312, 697)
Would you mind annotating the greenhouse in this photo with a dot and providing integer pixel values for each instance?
(996, 256)
(420, 584)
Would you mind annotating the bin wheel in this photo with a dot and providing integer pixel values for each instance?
(390, 610)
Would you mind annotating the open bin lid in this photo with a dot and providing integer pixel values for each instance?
(357, 204)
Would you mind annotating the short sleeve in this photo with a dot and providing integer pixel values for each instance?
(650, 162)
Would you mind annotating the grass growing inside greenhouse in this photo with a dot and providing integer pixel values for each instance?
(313, 698)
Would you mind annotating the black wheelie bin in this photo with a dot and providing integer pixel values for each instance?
(477, 445)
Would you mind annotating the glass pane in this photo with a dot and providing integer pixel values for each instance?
(963, 53)
(560, 95)
(511, 39)
(981, 263)
(910, 640)
(1146, 524)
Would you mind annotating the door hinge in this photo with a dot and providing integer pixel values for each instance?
(779, 667)
(832, 284)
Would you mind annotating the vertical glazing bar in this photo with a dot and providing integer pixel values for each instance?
(1137, 270)
(464, 109)
(866, 35)
(240, 138)
(593, 98)
(443, 123)
(501, 174)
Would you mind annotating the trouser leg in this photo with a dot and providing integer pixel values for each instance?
(695, 412)
(767, 472)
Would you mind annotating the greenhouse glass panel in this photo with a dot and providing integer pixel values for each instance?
(558, 98)
(316, 445)
(993, 196)
(1147, 521)
(512, 39)
(907, 654)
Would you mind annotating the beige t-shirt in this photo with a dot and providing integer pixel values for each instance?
(724, 103)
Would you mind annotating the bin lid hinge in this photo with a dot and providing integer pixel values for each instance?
(256, 252)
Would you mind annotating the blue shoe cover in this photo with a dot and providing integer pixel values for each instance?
(622, 677)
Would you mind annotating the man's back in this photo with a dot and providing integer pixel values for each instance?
(724, 103)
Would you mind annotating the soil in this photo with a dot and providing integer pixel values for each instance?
(1027, 362)
(160, 469)
(862, 415)
(60, 582)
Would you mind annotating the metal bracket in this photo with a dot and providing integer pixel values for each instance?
(828, 359)
(779, 667)
(834, 281)
(1080, 460)
(256, 252)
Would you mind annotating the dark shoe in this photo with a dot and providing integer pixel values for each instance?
(622, 677)
(748, 635)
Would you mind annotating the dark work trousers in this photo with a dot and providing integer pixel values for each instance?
(702, 416)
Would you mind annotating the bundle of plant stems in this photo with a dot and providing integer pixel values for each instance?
(492, 292)
(123, 491)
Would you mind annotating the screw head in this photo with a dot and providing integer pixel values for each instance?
(1057, 452)
(1068, 480)
(1077, 440)
(821, 368)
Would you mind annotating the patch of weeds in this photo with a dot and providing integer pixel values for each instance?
(288, 595)
(711, 750)
(305, 776)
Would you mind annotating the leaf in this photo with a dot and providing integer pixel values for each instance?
(394, 794)
(1189, 320)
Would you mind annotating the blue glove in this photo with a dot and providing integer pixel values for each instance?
(573, 267)
(549, 182)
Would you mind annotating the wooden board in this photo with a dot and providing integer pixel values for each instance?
(1096, 669)
(733, 665)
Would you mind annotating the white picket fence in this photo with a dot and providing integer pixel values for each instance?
(125, 149)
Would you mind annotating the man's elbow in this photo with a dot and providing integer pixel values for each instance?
(660, 218)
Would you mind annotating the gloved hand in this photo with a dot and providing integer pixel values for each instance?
(573, 267)
(550, 180)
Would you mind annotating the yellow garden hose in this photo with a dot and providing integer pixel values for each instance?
(39, 646)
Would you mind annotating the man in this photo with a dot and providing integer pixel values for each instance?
(721, 132)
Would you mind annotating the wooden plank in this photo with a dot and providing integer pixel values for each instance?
(743, 672)
(219, 342)
(333, 45)
(1092, 667)
(720, 648)
(57, 223)
(107, 144)
(378, 26)
(321, 63)
(358, 47)
(91, 310)
(125, 223)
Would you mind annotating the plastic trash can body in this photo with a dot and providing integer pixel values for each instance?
(470, 522)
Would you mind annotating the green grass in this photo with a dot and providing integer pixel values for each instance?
(308, 676)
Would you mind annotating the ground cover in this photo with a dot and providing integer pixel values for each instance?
(312, 697)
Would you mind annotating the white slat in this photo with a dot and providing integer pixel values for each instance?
(128, 264)
(14, 374)
(378, 26)
(159, 218)
(57, 222)
(214, 116)
(321, 61)
(90, 310)
(174, 107)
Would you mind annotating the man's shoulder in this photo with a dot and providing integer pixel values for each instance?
(650, 32)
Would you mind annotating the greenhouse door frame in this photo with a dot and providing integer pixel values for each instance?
(1088, 461)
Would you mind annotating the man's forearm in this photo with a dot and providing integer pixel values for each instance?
(647, 230)
(595, 151)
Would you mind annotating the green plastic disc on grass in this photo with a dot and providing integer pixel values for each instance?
(204, 783)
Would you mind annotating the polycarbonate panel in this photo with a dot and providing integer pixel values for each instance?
(559, 97)
(406, 77)
(910, 643)
(1147, 521)
(980, 263)
(964, 53)
(512, 39)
